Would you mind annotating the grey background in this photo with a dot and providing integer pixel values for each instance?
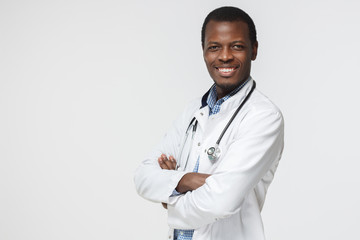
(87, 88)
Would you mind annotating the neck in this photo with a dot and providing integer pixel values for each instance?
(220, 93)
(223, 91)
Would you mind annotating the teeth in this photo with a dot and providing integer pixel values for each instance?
(226, 70)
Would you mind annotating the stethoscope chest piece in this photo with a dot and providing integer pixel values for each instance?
(213, 153)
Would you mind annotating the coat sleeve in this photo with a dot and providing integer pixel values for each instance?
(152, 182)
(245, 163)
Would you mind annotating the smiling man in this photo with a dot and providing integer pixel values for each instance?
(212, 169)
(228, 51)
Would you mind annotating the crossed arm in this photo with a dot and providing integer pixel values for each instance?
(254, 153)
(189, 182)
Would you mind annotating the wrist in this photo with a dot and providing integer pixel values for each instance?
(184, 184)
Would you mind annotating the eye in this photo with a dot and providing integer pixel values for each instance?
(239, 47)
(213, 48)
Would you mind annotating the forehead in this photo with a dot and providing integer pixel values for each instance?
(227, 31)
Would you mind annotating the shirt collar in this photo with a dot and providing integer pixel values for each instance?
(214, 106)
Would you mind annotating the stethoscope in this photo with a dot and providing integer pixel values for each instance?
(214, 152)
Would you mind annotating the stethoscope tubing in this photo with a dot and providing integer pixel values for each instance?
(235, 113)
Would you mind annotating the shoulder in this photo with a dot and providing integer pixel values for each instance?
(194, 104)
(188, 112)
(261, 115)
(259, 103)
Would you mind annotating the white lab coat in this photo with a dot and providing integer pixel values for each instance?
(228, 205)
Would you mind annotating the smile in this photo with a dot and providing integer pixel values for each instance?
(226, 70)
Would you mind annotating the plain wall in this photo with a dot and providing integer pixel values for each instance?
(87, 88)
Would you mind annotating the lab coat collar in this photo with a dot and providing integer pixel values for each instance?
(204, 99)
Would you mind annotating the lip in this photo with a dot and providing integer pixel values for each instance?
(226, 71)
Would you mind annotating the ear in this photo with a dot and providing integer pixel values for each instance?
(254, 50)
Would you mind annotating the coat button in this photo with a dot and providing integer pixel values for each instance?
(199, 144)
(201, 114)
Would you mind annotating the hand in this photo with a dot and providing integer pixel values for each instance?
(167, 163)
(191, 181)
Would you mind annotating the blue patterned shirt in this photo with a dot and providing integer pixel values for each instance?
(214, 108)
(214, 105)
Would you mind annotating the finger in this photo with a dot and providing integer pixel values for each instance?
(173, 162)
(162, 163)
(167, 162)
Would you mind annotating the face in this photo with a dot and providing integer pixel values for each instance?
(228, 53)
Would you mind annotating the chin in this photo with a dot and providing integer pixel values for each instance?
(227, 87)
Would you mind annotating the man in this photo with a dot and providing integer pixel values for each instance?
(215, 189)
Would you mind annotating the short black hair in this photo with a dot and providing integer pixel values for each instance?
(229, 14)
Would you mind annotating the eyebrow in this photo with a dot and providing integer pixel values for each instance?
(239, 41)
(234, 42)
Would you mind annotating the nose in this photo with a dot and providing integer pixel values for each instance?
(226, 55)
